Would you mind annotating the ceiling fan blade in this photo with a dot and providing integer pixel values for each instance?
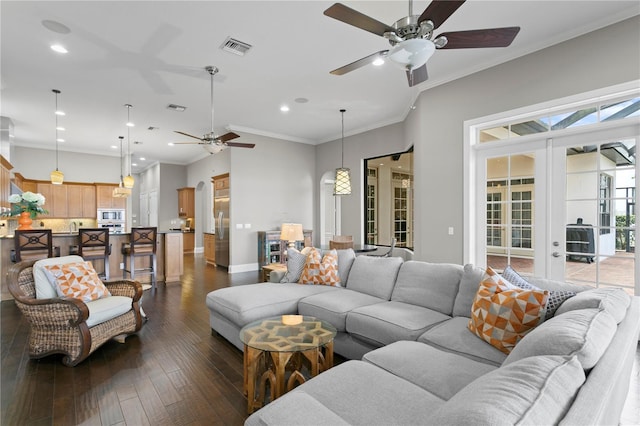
(353, 17)
(187, 134)
(227, 137)
(190, 143)
(360, 63)
(493, 37)
(439, 11)
(417, 76)
(240, 144)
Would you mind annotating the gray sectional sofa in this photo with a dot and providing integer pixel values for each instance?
(412, 359)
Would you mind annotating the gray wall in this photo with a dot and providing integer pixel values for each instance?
(270, 184)
(600, 59)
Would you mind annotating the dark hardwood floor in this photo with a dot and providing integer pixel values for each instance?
(173, 372)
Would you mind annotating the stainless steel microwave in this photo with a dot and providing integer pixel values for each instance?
(116, 215)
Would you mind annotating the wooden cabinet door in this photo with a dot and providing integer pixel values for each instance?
(188, 241)
(210, 248)
(5, 183)
(186, 202)
(75, 201)
(60, 206)
(47, 192)
(89, 209)
(106, 200)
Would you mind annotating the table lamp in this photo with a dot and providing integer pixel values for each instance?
(291, 232)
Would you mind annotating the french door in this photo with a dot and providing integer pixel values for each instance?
(561, 208)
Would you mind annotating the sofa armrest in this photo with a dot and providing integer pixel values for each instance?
(276, 276)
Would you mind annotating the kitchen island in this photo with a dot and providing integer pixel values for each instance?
(169, 253)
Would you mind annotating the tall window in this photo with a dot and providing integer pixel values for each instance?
(389, 199)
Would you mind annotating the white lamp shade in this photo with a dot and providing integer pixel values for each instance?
(411, 54)
(57, 177)
(292, 232)
(128, 181)
(213, 148)
(342, 185)
(121, 192)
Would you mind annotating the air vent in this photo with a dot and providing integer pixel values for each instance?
(236, 47)
(175, 107)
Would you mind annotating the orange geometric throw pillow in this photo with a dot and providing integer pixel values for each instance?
(78, 280)
(321, 270)
(502, 315)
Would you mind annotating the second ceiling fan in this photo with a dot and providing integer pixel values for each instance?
(210, 141)
(412, 38)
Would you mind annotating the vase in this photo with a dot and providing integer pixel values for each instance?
(25, 221)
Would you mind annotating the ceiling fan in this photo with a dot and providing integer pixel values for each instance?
(210, 141)
(412, 37)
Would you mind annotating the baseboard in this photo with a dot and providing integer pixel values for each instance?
(198, 250)
(247, 267)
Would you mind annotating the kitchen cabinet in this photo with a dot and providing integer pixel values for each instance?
(221, 182)
(106, 200)
(81, 201)
(189, 242)
(46, 189)
(210, 248)
(186, 202)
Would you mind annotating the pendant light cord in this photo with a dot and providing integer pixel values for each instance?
(56, 113)
(342, 162)
(120, 137)
(129, 106)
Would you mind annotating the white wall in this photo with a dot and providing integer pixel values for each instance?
(374, 143)
(270, 184)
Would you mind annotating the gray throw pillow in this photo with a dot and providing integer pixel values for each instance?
(556, 298)
(295, 265)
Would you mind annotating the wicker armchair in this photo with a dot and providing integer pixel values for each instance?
(58, 325)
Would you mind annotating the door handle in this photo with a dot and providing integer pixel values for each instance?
(555, 254)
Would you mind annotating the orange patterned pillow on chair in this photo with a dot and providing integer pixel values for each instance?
(321, 270)
(78, 280)
(503, 314)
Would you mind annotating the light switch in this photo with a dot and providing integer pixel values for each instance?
(451, 230)
(247, 226)
(239, 226)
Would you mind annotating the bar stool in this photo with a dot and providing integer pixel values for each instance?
(32, 244)
(341, 242)
(142, 243)
(94, 245)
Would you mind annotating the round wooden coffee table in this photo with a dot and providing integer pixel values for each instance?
(282, 352)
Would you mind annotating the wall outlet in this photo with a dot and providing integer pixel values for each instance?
(451, 230)
(121, 265)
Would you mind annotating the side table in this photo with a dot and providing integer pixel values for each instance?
(281, 352)
(267, 269)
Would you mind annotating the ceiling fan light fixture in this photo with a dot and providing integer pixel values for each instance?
(378, 61)
(411, 54)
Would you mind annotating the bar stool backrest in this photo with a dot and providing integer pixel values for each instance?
(93, 242)
(143, 240)
(33, 244)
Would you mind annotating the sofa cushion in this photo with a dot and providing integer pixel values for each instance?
(294, 410)
(432, 285)
(345, 262)
(374, 276)
(613, 300)
(454, 336)
(585, 333)
(502, 314)
(471, 278)
(556, 297)
(77, 280)
(320, 269)
(388, 322)
(101, 310)
(333, 307)
(532, 391)
(363, 394)
(442, 373)
(44, 288)
(246, 303)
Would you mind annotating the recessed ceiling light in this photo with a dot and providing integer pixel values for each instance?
(130, 124)
(60, 113)
(60, 128)
(284, 108)
(59, 48)
(134, 164)
(170, 144)
(378, 61)
(142, 159)
(114, 147)
(60, 140)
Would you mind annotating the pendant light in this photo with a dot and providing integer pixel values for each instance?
(120, 191)
(128, 181)
(57, 177)
(342, 185)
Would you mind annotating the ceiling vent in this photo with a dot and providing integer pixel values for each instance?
(175, 107)
(236, 47)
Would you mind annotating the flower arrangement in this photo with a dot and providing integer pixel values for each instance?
(26, 202)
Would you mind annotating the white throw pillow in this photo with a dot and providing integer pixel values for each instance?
(44, 288)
